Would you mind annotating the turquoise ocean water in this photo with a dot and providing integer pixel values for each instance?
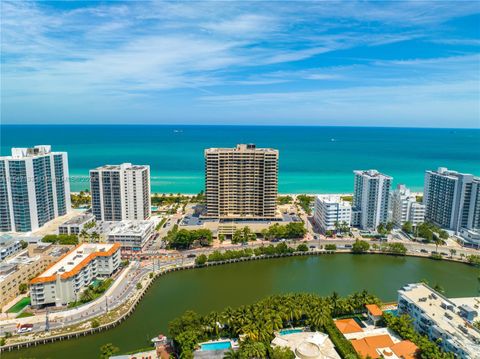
(312, 159)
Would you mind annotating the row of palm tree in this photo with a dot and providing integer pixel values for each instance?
(93, 237)
(257, 323)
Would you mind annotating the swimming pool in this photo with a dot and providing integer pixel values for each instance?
(216, 346)
(290, 331)
(393, 312)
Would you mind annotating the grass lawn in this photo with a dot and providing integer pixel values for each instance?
(22, 303)
(24, 315)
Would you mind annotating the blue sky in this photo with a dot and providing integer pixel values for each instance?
(395, 63)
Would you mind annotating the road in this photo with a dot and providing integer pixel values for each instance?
(160, 258)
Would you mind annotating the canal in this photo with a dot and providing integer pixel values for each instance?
(241, 283)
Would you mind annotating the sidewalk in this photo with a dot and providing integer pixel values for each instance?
(40, 318)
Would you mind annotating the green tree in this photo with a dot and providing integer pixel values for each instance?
(94, 323)
(252, 349)
(360, 246)
(282, 353)
(452, 252)
(394, 248)
(389, 226)
(438, 241)
(201, 260)
(474, 259)
(407, 227)
(302, 248)
(24, 244)
(243, 235)
(107, 350)
(22, 288)
(329, 233)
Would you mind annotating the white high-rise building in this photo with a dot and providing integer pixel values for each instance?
(370, 199)
(452, 200)
(34, 188)
(330, 210)
(405, 207)
(120, 192)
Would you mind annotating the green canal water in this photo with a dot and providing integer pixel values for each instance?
(241, 283)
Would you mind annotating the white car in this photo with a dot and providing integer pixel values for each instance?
(25, 329)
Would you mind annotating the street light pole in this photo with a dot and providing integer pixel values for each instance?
(47, 323)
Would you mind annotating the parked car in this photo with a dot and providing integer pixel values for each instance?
(25, 328)
(423, 251)
(191, 255)
(348, 246)
(312, 247)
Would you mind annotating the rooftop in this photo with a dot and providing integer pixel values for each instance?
(80, 219)
(73, 261)
(445, 172)
(332, 199)
(371, 174)
(36, 151)
(368, 346)
(130, 227)
(313, 345)
(347, 326)
(241, 148)
(373, 309)
(123, 167)
(443, 312)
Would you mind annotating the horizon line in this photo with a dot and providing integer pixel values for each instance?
(234, 125)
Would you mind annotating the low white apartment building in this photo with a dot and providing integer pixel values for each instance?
(63, 282)
(132, 235)
(405, 207)
(440, 319)
(330, 210)
(76, 224)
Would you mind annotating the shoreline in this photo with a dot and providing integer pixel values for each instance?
(150, 280)
(170, 194)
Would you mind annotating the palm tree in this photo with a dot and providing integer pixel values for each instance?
(437, 240)
(95, 237)
(84, 235)
(318, 319)
(452, 252)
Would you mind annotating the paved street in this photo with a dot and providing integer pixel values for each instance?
(159, 258)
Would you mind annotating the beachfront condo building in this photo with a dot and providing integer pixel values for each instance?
(34, 188)
(371, 198)
(241, 182)
(64, 281)
(446, 321)
(452, 200)
(331, 213)
(405, 207)
(120, 192)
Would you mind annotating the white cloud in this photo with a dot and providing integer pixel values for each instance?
(123, 52)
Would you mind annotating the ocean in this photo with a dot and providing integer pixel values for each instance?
(312, 159)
